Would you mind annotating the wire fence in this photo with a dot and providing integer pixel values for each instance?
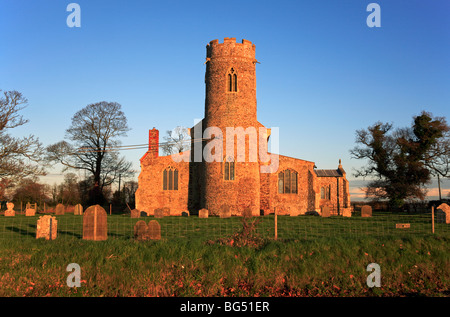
(280, 227)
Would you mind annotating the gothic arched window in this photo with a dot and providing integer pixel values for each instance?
(170, 178)
(287, 182)
(232, 81)
(228, 169)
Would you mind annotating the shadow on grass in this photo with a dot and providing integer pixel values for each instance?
(22, 231)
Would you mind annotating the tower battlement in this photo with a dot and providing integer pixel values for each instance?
(230, 47)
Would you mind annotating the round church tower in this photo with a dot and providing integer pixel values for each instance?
(230, 105)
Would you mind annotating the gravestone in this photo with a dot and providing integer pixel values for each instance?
(10, 210)
(366, 211)
(185, 213)
(166, 211)
(135, 213)
(143, 232)
(47, 227)
(143, 214)
(203, 213)
(59, 210)
(225, 212)
(140, 230)
(325, 211)
(247, 212)
(78, 210)
(30, 212)
(95, 224)
(443, 213)
(346, 212)
(159, 213)
(154, 230)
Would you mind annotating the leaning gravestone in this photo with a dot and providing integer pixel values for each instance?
(203, 213)
(78, 210)
(135, 213)
(366, 211)
(443, 213)
(225, 212)
(159, 213)
(95, 224)
(46, 227)
(325, 211)
(59, 210)
(154, 230)
(10, 210)
(30, 212)
(247, 212)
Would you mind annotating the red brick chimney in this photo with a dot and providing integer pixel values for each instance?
(153, 143)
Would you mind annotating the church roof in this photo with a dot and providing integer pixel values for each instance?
(328, 173)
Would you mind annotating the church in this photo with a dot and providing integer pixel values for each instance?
(228, 165)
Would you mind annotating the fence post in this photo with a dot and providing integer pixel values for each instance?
(276, 223)
(432, 219)
(110, 208)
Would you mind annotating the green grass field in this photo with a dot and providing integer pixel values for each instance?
(313, 256)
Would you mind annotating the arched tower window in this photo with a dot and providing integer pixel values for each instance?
(228, 169)
(232, 80)
(287, 182)
(170, 178)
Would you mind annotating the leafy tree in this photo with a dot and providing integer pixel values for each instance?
(94, 135)
(402, 160)
(19, 157)
(30, 191)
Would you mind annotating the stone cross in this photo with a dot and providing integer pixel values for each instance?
(46, 227)
(95, 224)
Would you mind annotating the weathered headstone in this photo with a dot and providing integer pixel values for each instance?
(159, 213)
(30, 212)
(59, 210)
(166, 211)
(366, 211)
(443, 213)
(346, 212)
(143, 214)
(154, 230)
(10, 210)
(135, 213)
(47, 227)
(95, 224)
(140, 230)
(325, 211)
(78, 210)
(247, 212)
(203, 213)
(225, 212)
(185, 213)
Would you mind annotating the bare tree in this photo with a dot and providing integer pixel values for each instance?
(94, 134)
(19, 157)
(178, 140)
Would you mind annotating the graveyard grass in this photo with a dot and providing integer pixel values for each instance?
(191, 261)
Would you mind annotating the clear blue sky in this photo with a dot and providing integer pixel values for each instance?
(323, 74)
